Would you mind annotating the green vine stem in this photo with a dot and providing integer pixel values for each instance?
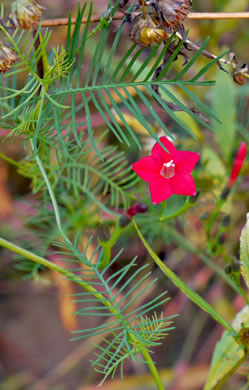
(9, 160)
(109, 244)
(49, 264)
(105, 20)
(163, 208)
(52, 196)
(187, 205)
(213, 217)
(153, 369)
(221, 383)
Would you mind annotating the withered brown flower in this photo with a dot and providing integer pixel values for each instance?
(244, 336)
(26, 14)
(7, 58)
(239, 71)
(172, 12)
(147, 32)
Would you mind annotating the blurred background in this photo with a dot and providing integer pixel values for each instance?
(36, 313)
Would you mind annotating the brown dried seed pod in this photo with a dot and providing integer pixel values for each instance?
(146, 32)
(239, 78)
(26, 14)
(172, 12)
(7, 58)
(244, 336)
(239, 72)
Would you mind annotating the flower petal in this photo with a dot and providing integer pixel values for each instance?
(237, 165)
(183, 185)
(147, 169)
(160, 190)
(159, 155)
(185, 161)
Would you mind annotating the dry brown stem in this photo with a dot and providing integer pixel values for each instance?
(120, 15)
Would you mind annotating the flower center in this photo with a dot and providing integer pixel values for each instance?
(168, 170)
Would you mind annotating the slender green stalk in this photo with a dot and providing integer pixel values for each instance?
(52, 196)
(221, 383)
(107, 252)
(116, 234)
(187, 205)
(105, 20)
(108, 245)
(163, 208)
(153, 369)
(213, 216)
(49, 264)
(9, 160)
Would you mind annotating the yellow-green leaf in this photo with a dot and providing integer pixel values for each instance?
(244, 251)
(228, 356)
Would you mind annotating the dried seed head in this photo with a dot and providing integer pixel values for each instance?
(239, 75)
(244, 336)
(239, 72)
(26, 14)
(239, 78)
(173, 12)
(7, 58)
(146, 32)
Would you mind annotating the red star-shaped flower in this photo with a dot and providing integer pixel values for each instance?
(167, 172)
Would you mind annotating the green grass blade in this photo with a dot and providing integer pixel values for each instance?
(193, 296)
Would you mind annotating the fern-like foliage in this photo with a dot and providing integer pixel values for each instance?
(49, 109)
(75, 171)
(27, 62)
(130, 330)
(113, 354)
(124, 80)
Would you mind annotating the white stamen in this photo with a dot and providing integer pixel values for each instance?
(168, 170)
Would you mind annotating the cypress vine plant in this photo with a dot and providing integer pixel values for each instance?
(83, 178)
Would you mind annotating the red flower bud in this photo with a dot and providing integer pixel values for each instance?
(136, 208)
(238, 162)
(142, 208)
